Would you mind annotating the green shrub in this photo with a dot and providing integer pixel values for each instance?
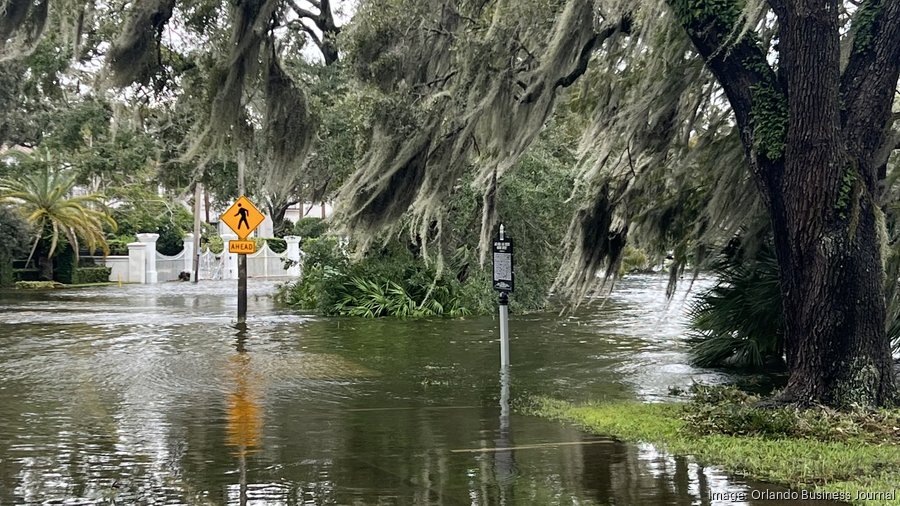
(119, 245)
(388, 282)
(310, 228)
(634, 260)
(276, 244)
(213, 243)
(92, 275)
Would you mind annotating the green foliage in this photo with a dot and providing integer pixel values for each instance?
(720, 13)
(118, 245)
(739, 322)
(65, 265)
(37, 285)
(389, 282)
(14, 234)
(92, 275)
(865, 25)
(728, 410)
(27, 274)
(214, 243)
(277, 244)
(70, 270)
(815, 457)
(141, 210)
(769, 115)
(310, 228)
(43, 197)
(848, 181)
(634, 260)
(371, 299)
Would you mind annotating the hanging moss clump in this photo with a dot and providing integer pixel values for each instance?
(289, 128)
(134, 56)
(21, 26)
(250, 23)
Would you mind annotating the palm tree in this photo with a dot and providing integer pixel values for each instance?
(44, 198)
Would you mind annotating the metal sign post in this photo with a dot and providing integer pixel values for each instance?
(504, 282)
(242, 217)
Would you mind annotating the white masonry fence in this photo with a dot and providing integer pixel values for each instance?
(145, 265)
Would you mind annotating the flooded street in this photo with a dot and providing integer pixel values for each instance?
(152, 395)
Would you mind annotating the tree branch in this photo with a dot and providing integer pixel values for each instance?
(324, 21)
(584, 58)
(739, 66)
(303, 13)
(869, 81)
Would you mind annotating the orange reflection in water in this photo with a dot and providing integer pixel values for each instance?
(244, 424)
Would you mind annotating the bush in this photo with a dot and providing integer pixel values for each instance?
(389, 282)
(119, 245)
(68, 269)
(276, 244)
(213, 243)
(310, 228)
(92, 275)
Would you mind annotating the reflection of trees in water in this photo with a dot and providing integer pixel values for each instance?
(621, 474)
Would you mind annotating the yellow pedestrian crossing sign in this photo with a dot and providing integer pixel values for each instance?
(243, 217)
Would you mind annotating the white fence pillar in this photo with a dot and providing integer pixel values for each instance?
(188, 253)
(230, 269)
(293, 254)
(150, 253)
(137, 262)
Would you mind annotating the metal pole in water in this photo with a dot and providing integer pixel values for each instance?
(242, 288)
(504, 330)
(198, 189)
(242, 258)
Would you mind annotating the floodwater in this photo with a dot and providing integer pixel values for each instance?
(152, 395)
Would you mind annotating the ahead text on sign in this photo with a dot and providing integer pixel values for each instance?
(242, 247)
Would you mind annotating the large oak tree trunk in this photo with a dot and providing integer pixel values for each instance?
(820, 178)
(824, 218)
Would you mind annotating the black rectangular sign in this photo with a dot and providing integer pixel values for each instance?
(504, 279)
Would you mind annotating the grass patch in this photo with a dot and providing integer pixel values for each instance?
(833, 455)
(38, 285)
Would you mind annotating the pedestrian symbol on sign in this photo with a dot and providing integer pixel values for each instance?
(243, 214)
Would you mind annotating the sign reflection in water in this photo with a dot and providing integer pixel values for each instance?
(245, 421)
(504, 459)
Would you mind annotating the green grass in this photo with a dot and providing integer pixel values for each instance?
(827, 466)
